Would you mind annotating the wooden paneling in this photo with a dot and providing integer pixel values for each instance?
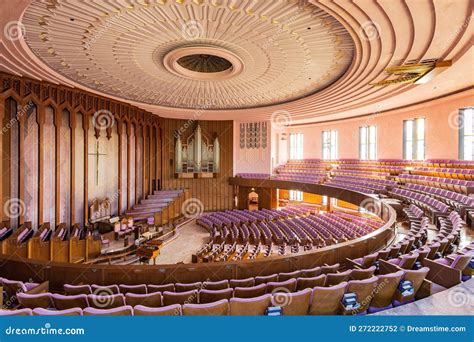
(215, 193)
(66, 103)
(60, 273)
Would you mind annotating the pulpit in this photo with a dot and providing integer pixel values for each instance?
(100, 216)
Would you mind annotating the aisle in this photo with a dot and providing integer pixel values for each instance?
(190, 239)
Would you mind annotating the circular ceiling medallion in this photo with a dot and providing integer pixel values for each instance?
(226, 54)
(203, 63)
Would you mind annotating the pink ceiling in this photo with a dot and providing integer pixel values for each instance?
(384, 33)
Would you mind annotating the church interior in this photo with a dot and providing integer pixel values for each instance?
(236, 157)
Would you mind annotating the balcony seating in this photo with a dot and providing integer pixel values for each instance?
(250, 292)
(12, 287)
(62, 302)
(326, 269)
(110, 289)
(169, 310)
(210, 296)
(160, 288)
(457, 185)
(136, 289)
(310, 272)
(288, 275)
(18, 312)
(405, 261)
(189, 297)
(429, 266)
(31, 301)
(106, 301)
(337, 278)
(153, 300)
(296, 303)
(216, 285)
(218, 308)
(65, 312)
(118, 311)
(326, 300)
(416, 277)
(77, 289)
(250, 306)
(265, 279)
(309, 283)
(248, 282)
(360, 274)
(180, 287)
(386, 287)
(288, 285)
(364, 290)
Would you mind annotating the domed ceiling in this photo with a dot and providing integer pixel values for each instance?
(217, 54)
(244, 60)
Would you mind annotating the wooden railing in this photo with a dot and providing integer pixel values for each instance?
(60, 273)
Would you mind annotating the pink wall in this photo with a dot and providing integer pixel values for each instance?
(251, 160)
(441, 130)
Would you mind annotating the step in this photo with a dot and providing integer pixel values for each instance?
(157, 200)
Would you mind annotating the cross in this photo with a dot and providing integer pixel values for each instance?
(97, 155)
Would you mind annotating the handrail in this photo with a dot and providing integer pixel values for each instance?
(59, 273)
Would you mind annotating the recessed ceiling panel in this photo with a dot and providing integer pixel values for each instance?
(217, 54)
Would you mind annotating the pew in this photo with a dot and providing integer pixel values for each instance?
(16, 244)
(59, 244)
(39, 247)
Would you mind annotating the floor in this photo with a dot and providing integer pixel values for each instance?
(190, 239)
(458, 300)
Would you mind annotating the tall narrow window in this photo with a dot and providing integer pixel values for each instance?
(466, 133)
(296, 145)
(368, 142)
(296, 195)
(324, 200)
(414, 139)
(329, 144)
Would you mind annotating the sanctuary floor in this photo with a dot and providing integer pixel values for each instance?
(189, 240)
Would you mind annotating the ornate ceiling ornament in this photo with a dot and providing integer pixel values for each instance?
(230, 53)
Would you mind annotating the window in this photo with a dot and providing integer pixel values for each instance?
(466, 133)
(414, 139)
(324, 200)
(330, 144)
(296, 195)
(296, 145)
(368, 142)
